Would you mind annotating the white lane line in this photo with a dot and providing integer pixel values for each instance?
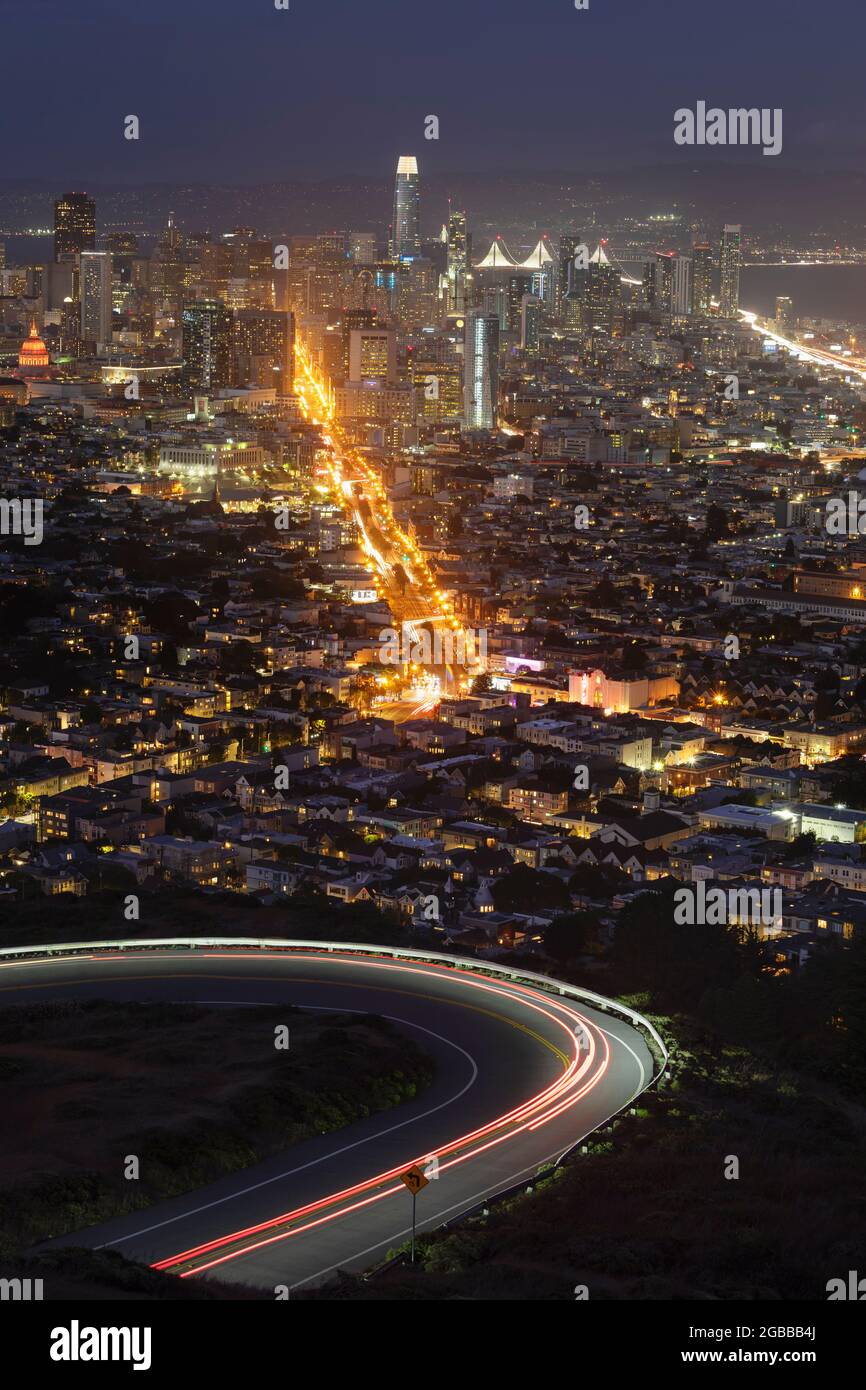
(438, 1219)
(616, 1038)
(468, 1202)
(380, 1134)
(488, 1191)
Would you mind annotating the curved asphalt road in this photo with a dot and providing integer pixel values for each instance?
(522, 1075)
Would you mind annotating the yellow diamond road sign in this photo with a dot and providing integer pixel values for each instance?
(414, 1179)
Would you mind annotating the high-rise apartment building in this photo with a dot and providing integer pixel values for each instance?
(207, 346)
(481, 372)
(681, 286)
(702, 277)
(96, 299)
(729, 271)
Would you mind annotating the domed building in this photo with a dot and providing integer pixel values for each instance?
(33, 352)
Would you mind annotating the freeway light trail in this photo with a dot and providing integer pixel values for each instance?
(854, 366)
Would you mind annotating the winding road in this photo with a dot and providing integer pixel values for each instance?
(523, 1073)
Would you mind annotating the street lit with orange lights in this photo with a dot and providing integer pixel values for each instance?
(358, 490)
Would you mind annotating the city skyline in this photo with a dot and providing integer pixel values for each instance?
(433, 672)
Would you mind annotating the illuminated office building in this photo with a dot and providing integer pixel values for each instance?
(406, 227)
(74, 225)
(264, 346)
(373, 355)
(458, 262)
(598, 291)
(438, 390)
(168, 269)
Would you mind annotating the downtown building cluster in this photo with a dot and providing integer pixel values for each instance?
(609, 472)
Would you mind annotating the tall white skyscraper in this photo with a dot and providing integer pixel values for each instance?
(406, 230)
(96, 298)
(729, 271)
(481, 372)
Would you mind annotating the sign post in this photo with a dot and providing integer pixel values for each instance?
(415, 1181)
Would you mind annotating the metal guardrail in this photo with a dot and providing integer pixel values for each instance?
(509, 972)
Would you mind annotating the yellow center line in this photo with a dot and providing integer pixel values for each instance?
(306, 980)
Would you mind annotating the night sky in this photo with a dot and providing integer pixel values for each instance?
(236, 91)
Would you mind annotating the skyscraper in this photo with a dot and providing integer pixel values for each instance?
(493, 300)
(96, 301)
(681, 287)
(458, 260)
(167, 269)
(406, 229)
(784, 312)
(729, 271)
(481, 372)
(568, 244)
(518, 286)
(702, 277)
(74, 225)
(207, 346)
(598, 290)
(531, 311)
(658, 281)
